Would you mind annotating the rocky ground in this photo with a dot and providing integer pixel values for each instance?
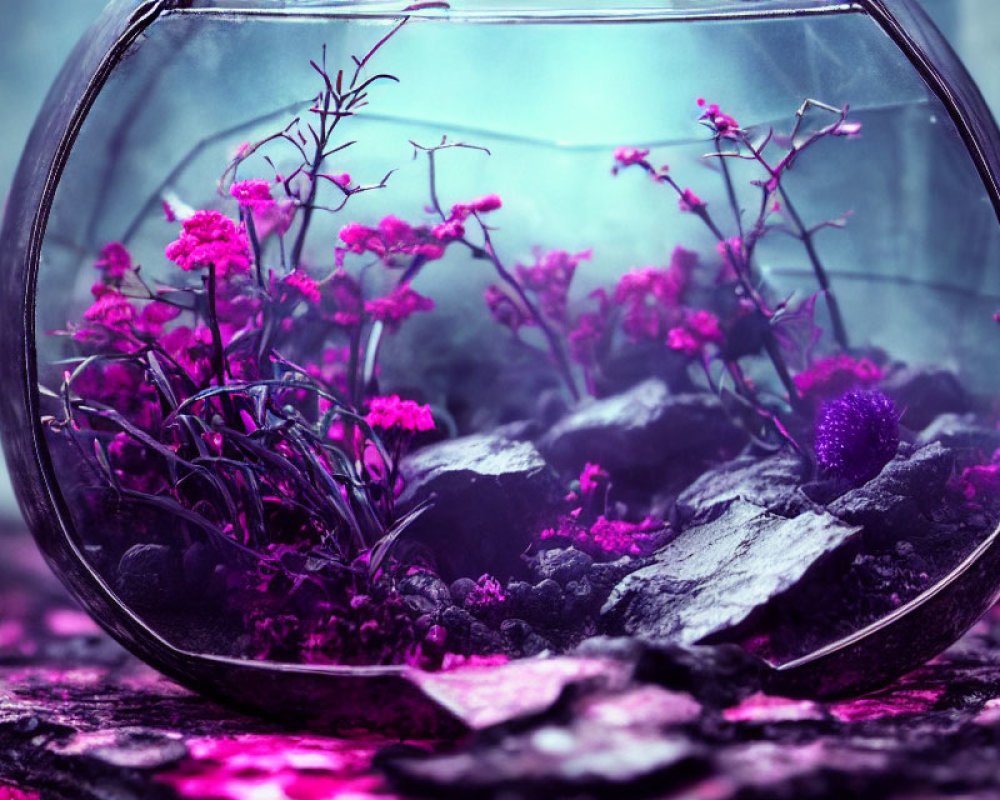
(81, 719)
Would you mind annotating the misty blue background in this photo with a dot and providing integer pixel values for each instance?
(38, 35)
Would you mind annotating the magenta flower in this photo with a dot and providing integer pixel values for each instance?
(487, 593)
(608, 540)
(628, 156)
(115, 261)
(721, 123)
(392, 412)
(274, 218)
(592, 479)
(341, 301)
(979, 480)
(398, 306)
(651, 297)
(392, 237)
(689, 201)
(832, 376)
(505, 309)
(683, 341)
(154, 316)
(253, 194)
(550, 279)
(481, 205)
(111, 309)
(210, 239)
(448, 230)
(304, 284)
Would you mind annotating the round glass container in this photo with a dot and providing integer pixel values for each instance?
(347, 341)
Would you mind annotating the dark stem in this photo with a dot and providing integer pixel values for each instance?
(836, 318)
(555, 345)
(254, 244)
(218, 362)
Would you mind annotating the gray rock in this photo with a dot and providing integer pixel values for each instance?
(491, 496)
(892, 504)
(561, 565)
(923, 393)
(643, 427)
(773, 483)
(713, 576)
(961, 432)
(428, 586)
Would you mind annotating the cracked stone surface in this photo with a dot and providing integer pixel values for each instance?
(711, 577)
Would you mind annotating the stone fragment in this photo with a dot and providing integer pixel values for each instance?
(490, 498)
(712, 577)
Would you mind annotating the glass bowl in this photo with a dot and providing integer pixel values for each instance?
(348, 341)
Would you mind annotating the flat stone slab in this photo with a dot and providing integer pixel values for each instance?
(713, 576)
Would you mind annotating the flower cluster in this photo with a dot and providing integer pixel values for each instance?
(392, 412)
(486, 594)
(607, 540)
(209, 238)
(831, 376)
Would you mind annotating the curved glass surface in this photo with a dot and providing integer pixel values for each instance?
(370, 340)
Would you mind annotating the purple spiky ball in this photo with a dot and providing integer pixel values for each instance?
(856, 435)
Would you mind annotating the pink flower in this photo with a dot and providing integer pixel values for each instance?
(689, 201)
(627, 156)
(397, 306)
(505, 309)
(392, 412)
(652, 297)
(550, 277)
(115, 261)
(154, 316)
(616, 538)
(210, 239)
(705, 325)
(721, 123)
(341, 299)
(487, 593)
(451, 229)
(274, 218)
(978, 480)
(343, 180)
(112, 309)
(608, 540)
(253, 194)
(683, 341)
(392, 237)
(481, 205)
(304, 284)
(834, 375)
(592, 479)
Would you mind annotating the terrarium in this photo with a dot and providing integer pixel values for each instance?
(348, 341)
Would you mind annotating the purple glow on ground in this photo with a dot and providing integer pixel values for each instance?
(766, 708)
(13, 793)
(893, 702)
(278, 767)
